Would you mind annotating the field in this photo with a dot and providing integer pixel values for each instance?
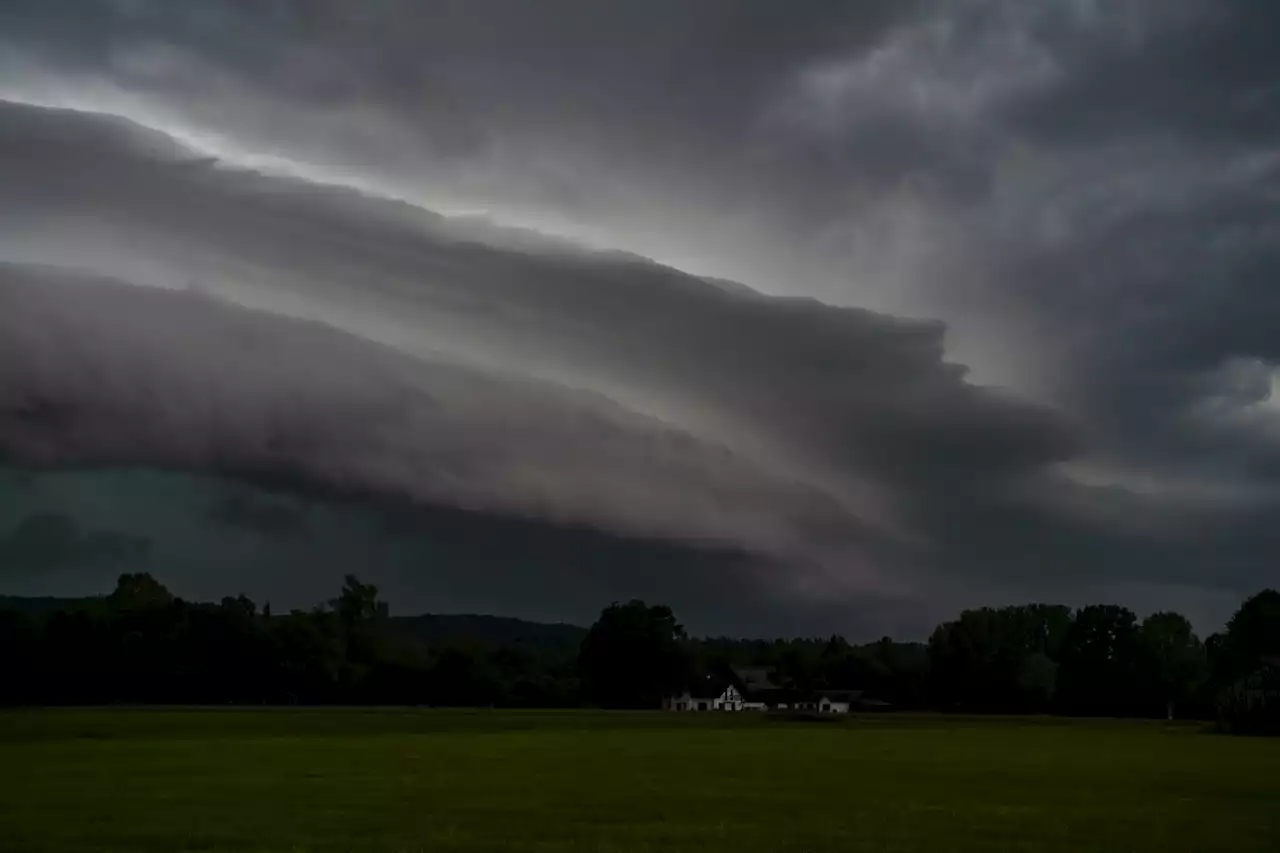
(389, 780)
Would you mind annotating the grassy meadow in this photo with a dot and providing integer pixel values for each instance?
(402, 780)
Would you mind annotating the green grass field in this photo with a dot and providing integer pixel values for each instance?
(327, 780)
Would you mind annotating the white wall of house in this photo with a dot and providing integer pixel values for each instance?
(732, 700)
(680, 702)
(687, 702)
(729, 700)
(821, 705)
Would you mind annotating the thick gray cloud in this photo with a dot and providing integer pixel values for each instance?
(52, 543)
(98, 373)
(1080, 197)
(263, 517)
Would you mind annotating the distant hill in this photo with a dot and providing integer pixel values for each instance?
(43, 605)
(486, 632)
(551, 639)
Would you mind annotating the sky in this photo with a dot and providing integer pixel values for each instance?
(801, 318)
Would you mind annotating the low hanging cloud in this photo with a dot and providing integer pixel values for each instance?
(264, 518)
(54, 542)
(99, 373)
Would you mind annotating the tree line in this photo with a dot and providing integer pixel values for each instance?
(141, 644)
(1039, 658)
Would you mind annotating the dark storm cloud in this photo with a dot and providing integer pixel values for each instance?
(265, 518)
(484, 500)
(1084, 193)
(433, 559)
(862, 390)
(870, 445)
(860, 407)
(1102, 233)
(98, 373)
(53, 542)
(506, 105)
(660, 58)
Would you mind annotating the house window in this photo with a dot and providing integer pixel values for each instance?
(702, 706)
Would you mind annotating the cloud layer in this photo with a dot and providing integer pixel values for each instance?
(1079, 199)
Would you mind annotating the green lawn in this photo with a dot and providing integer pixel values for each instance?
(312, 780)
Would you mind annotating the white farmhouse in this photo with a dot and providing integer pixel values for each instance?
(755, 689)
(712, 694)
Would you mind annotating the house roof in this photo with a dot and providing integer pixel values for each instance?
(841, 695)
(757, 684)
(711, 687)
(754, 679)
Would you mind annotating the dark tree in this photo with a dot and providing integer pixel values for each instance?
(19, 644)
(633, 655)
(358, 603)
(841, 666)
(1253, 632)
(1100, 662)
(139, 592)
(1173, 663)
(463, 676)
(1003, 659)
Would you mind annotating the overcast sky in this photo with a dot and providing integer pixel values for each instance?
(828, 316)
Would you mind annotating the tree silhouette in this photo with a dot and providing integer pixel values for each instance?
(1175, 664)
(633, 655)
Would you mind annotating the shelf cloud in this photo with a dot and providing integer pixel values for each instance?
(858, 312)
